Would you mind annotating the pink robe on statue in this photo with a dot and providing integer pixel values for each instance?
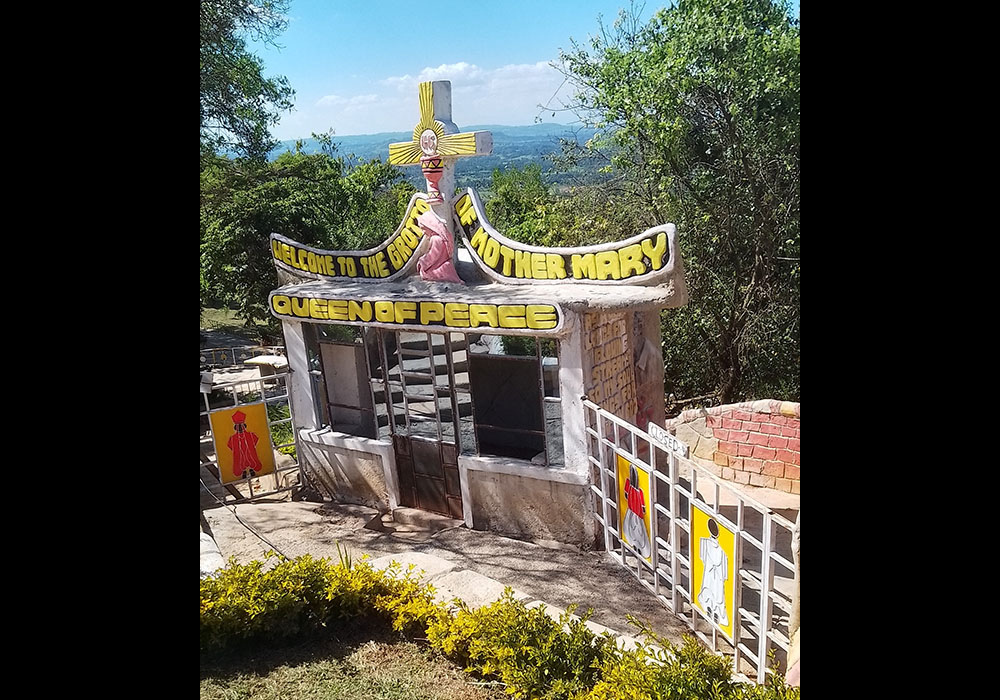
(436, 262)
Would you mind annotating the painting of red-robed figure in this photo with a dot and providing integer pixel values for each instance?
(242, 442)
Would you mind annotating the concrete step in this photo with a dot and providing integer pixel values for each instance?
(416, 518)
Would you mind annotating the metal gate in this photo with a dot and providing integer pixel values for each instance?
(417, 386)
(752, 623)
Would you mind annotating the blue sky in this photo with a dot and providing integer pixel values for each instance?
(355, 64)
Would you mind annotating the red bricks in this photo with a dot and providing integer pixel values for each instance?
(774, 469)
(758, 444)
(786, 456)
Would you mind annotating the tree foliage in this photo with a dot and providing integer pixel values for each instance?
(698, 114)
(524, 208)
(238, 104)
(317, 199)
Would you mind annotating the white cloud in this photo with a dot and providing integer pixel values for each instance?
(336, 100)
(508, 94)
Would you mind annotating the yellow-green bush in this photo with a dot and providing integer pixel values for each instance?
(534, 656)
(665, 671)
(246, 603)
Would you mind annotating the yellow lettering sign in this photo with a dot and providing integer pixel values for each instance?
(539, 317)
(456, 315)
(405, 311)
(317, 308)
(385, 312)
(338, 311)
(511, 316)
(431, 312)
(483, 315)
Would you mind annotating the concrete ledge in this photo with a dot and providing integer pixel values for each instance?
(516, 467)
(327, 438)
(474, 589)
(211, 557)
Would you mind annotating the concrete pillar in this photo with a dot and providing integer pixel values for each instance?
(300, 386)
(571, 389)
(654, 372)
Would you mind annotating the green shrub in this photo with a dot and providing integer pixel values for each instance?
(245, 603)
(522, 647)
(531, 654)
(664, 671)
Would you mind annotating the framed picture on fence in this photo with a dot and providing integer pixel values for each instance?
(713, 580)
(242, 442)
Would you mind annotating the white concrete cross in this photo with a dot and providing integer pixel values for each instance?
(437, 144)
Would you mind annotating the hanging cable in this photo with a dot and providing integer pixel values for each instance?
(242, 522)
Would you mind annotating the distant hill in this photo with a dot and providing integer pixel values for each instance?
(512, 146)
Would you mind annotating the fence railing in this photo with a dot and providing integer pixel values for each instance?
(709, 552)
(230, 357)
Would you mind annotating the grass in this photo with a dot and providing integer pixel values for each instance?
(228, 321)
(356, 667)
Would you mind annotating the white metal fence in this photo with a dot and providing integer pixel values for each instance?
(273, 392)
(762, 569)
(230, 357)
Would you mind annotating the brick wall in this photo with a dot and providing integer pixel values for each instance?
(754, 442)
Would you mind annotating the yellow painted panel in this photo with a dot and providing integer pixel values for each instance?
(634, 508)
(242, 442)
(712, 574)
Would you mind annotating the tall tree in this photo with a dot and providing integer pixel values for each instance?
(238, 104)
(699, 114)
(315, 199)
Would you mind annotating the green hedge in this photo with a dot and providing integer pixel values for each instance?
(533, 655)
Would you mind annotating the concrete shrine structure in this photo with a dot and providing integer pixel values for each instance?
(449, 376)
